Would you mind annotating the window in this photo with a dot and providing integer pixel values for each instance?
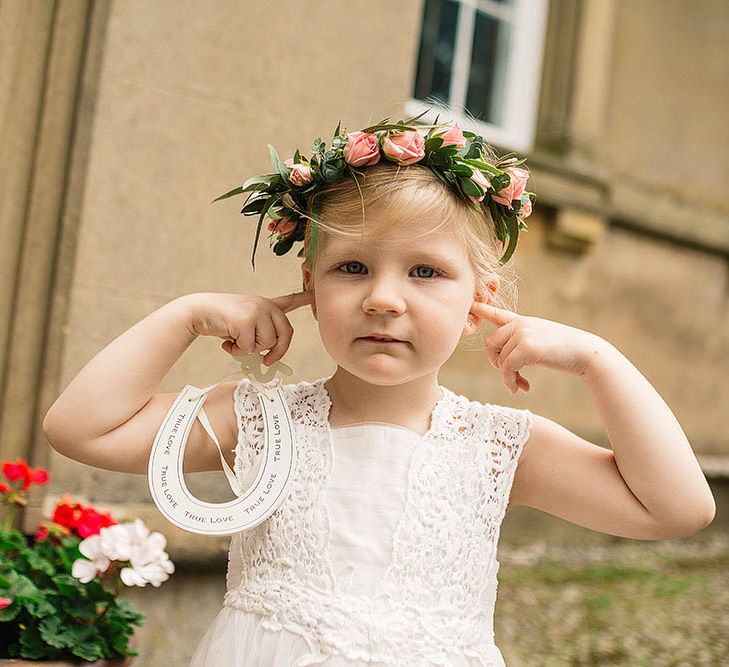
(482, 59)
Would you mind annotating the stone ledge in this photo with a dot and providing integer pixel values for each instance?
(578, 183)
(714, 466)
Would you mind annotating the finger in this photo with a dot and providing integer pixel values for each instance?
(266, 335)
(522, 382)
(284, 333)
(493, 314)
(295, 300)
(511, 362)
(496, 341)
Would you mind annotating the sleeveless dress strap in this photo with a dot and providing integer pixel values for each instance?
(230, 475)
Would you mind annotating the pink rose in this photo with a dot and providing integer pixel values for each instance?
(478, 177)
(404, 148)
(300, 173)
(362, 149)
(453, 136)
(516, 187)
(284, 226)
(5, 602)
(526, 207)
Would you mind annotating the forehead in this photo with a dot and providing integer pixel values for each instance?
(402, 238)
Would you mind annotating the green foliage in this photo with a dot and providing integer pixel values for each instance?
(53, 616)
(275, 196)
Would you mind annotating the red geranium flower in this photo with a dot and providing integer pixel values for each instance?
(20, 470)
(91, 522)
(53, 530)
(83, 520)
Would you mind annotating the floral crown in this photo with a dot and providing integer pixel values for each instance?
(455, 156)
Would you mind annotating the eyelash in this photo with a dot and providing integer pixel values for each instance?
(440, 272)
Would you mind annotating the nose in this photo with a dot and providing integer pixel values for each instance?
(383, 297)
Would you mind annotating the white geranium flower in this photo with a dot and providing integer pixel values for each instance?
(131, 543)
(116, 541)
(149, 561)
(153, 573)
(85, 570)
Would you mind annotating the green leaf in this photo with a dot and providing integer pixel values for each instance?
(284, 245)
(255, 206)
(271, 201)
(53, 633)
(500, 182)
(88, 642)
(130, 613)
(279, 166)
(31, 644)
(433, 144)
(420, 115)
(387, 126)
(333, 170)
(473, 152)
(262, 182)
(470, 187)
(461, 169)
(68, 585)
(79, 607)
(12, 539)
(39, 562)
(316, 210)
(484, 166)
(235, 191)
(318, 147)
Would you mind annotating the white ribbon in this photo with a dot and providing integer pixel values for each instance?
(251, 506)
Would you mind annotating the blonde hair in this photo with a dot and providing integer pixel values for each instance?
(415, 192)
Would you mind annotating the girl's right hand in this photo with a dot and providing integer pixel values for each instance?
(247, 323)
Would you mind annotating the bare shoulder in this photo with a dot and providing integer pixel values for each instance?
(564, 475)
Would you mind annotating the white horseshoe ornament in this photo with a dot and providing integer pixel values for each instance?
(251, 506)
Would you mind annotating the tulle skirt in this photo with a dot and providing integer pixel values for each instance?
(236, 638)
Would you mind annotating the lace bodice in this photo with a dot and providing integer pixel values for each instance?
(437, 594)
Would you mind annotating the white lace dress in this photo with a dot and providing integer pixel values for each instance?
(367, 503)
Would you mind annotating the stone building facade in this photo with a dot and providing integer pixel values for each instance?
(120, 121)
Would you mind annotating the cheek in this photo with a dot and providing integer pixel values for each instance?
(332, 299)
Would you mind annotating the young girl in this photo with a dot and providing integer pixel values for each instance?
(384, 551)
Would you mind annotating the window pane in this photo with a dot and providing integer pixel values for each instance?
(488, 68)
(437, 45)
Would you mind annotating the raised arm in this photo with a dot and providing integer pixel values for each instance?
(109, 413)
(121, 378)
(650, 486)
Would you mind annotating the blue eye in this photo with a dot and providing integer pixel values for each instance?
(428, 268)
(349, 264)
(436, 272)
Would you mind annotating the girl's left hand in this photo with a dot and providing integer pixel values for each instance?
(521, 340)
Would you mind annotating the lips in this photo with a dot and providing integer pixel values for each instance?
(377, 338)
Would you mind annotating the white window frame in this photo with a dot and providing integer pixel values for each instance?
(523, 75)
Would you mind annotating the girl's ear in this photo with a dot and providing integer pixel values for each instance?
(306, 284)
(474, 317)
